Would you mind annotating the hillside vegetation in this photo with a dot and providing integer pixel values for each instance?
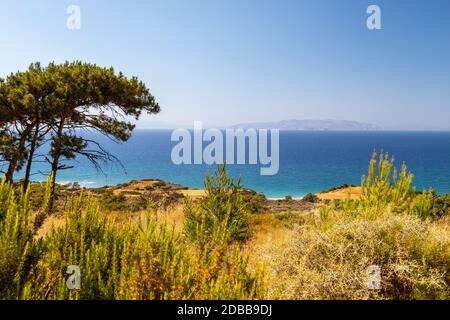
(228, 245)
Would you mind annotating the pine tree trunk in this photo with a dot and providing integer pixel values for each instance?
(55, 166)
(10, 173)
(30, 158)
(13, 162)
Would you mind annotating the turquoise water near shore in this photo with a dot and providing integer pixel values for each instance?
(309, 161)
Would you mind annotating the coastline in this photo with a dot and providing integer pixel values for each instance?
(135, 187)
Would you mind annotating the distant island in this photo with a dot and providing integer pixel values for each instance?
(311, 125)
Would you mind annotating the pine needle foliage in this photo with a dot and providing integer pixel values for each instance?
(222, 213)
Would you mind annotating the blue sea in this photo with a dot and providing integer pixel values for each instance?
(309, 161)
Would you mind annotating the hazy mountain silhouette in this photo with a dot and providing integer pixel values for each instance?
(313, 125)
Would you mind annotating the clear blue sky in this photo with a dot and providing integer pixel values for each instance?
(232, 61)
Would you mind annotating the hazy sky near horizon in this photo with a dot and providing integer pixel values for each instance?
(232, 61)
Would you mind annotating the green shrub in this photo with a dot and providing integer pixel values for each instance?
(441, 206)
(254, 202)
(120, 202)
(383, 186)
(312, 198)
(427, 205)
(19, 251)
(290, 219)
(223, 205)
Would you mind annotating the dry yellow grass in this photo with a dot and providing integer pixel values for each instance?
(341, 194)
(270, 236)
(330, 261)
(193, 193)
(173, 216)
(50, 223)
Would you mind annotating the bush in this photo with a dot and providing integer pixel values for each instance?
(428, 205)
(384, 187)
(220, 218)
(290, 219)
(441, 206)
(19, 251)
(223, 205)
(120, 202)
(254, 202)
(312, 198)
